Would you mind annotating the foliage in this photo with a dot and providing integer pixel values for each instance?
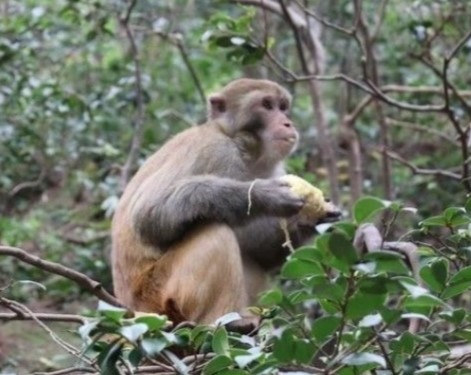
(341, 310)
(69, 105)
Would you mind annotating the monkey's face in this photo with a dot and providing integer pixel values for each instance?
(278, 134)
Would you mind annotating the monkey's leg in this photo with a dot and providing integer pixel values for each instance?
(206, 277)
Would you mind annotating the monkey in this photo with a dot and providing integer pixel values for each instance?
(196, 232)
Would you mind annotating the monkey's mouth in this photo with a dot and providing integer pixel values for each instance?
(286, 139)
(332, 215)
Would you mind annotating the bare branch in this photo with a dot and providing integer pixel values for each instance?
(420, 90)
(82, 280)
(176, 40)
(139, 115)
(423, 171)
(419, 128)
(462, 133)
(67, 371)
(47, 317)
(456, 364)
(17, 307)
(323, 21)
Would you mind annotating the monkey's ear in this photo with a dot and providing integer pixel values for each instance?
(216, 106)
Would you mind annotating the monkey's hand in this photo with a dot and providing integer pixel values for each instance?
(316, 208)
(275, 197)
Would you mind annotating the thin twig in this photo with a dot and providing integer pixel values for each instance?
(48, 317)
(62, 343)
(139, 115)
(420, 128)
(69, 370)
(422, 171)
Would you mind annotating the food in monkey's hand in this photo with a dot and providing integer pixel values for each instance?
(316, 208)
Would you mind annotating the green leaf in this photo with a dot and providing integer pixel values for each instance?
(414, 290)
(107, 359)
(323, 288)
(324, 327)
(30, 282)
(465, 334)
(455, 290)
(435, 274)
(404, 344)
(135, 357)
(304, 351)
(228, 318)
(153, 322)
(362, 304)
(342, 248)
(390, 316)
(86, 329)
(220, 342)
(271, 297)
(463, 275)
(358, 359)
(217, 364)
(370, 320)
(374, 284)
(307, 253)
(387, 261)
(298, 268)
(153, 346)
(459, 283)
(455, 316)
(453, 213)
(346, 227)
(112, 312)
(233, 372)
(426, 300)
(134, 332)
(366, 207)
(245, 360)
(434, 221)
(285, 347)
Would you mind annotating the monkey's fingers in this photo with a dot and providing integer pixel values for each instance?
(316, 207)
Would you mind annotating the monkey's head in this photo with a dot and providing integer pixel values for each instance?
(256, 112)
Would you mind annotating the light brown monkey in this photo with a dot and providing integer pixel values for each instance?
(189, 239)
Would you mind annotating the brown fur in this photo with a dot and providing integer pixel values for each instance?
(183, 242)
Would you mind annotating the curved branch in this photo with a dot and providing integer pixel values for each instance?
(80, 279)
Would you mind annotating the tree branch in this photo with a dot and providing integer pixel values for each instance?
(80, 279)
(139, 115)
(423, 171)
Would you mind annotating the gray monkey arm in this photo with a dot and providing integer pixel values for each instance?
(163, 215)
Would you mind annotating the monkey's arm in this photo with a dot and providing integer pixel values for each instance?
(163, 215)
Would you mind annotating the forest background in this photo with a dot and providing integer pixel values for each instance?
(382, 99)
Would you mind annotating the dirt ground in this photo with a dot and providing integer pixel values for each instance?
(26, 347)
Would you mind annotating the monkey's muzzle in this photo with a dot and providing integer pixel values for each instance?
(332, 213)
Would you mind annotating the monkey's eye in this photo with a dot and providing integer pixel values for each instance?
(267, 103)
(284, 106)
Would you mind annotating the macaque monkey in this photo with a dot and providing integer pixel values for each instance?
(197, 229)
